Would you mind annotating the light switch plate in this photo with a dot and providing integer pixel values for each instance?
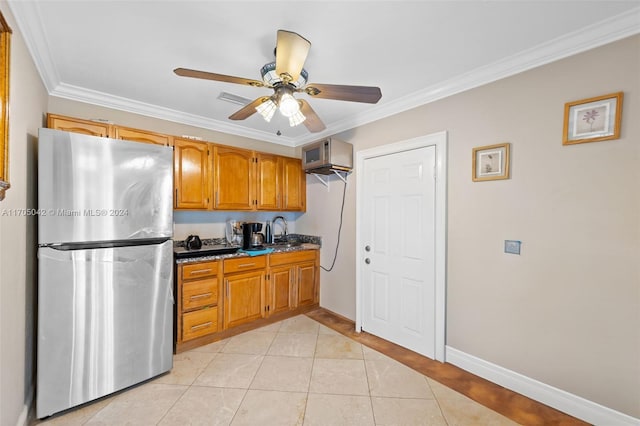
(512, 246)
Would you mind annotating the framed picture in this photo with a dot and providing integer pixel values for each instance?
(490, 162)
(593, 119)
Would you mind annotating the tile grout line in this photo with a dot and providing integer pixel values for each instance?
(366, 374)
(313, 363)
(435, 397)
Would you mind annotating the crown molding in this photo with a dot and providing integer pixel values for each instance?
(107, 100)
(607, 31)
(27, 16)
(595, 35)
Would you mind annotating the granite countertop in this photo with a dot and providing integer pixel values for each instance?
(306, 242)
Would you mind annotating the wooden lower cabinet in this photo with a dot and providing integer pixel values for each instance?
(244, 281)
(244, 298)
(306, 284)
(301, 270)
(280, 294)
(197, 304)
(220, 298)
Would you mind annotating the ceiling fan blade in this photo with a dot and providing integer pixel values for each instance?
(366, 94)
(291, 53)
(248, 110)
(312, 122)
(185, 72)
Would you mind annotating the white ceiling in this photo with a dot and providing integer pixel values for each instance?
(121, 54)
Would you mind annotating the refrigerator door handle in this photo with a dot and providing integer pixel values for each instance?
(105, 244)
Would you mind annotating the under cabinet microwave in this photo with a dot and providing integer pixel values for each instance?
(327, 155)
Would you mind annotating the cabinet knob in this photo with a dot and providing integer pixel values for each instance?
(367, 248)
(367, 261)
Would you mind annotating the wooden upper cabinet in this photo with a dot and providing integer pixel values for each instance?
(267, 181)
(191, 174)
(77, 125)
(234, 179)
(213, 177)
(294, 185)
(143, 136)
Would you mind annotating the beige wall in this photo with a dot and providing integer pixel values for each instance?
(567, 311)
(28, 102)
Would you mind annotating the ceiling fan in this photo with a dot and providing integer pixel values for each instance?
(287, 76)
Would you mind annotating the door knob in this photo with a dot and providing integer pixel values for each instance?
(367, 261)
(367, 248)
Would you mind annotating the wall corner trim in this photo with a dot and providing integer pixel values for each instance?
(566, 402)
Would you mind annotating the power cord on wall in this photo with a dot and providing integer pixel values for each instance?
(335, 255)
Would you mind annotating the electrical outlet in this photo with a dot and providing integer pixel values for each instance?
(512, 246)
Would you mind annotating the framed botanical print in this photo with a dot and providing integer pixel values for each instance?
(592, 120)
(490, 162)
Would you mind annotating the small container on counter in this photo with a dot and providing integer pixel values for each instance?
(267, 234)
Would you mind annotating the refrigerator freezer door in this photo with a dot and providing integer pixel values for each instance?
(105, 322)
(99, 189)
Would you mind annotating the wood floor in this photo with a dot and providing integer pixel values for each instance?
(516, 407)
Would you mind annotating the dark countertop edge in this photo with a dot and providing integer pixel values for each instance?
(302, 238)
(240, 254)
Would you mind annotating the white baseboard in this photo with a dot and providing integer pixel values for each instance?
(564, 401)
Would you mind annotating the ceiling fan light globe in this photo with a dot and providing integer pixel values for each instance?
(288, 105)
(267, 109)
(296, 119)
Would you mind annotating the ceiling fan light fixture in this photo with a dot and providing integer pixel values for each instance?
(296, 119)
(267, 109)
(288, 105)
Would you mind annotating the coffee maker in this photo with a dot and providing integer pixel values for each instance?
(252, 239)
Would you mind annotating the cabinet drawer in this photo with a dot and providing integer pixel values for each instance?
(199, 323)
(244, 264)
(277, 259)
(199, 293)
(199, 270)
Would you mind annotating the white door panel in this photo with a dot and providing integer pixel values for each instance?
(399, 228)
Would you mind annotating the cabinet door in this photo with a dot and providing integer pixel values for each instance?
(267, 182)
(76, 125)
(280, 287)
(143, 136)
(306, 283)
(244, 298)
(234, 179)
(191, 174)
(294, 185)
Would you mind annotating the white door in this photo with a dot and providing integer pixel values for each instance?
(398, 237)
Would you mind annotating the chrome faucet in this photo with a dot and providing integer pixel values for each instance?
(284, 227)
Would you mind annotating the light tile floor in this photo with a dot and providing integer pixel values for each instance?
(295, 372)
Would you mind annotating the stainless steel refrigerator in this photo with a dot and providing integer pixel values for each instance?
(105, 267)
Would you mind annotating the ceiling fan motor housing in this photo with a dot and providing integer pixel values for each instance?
(271, 78)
